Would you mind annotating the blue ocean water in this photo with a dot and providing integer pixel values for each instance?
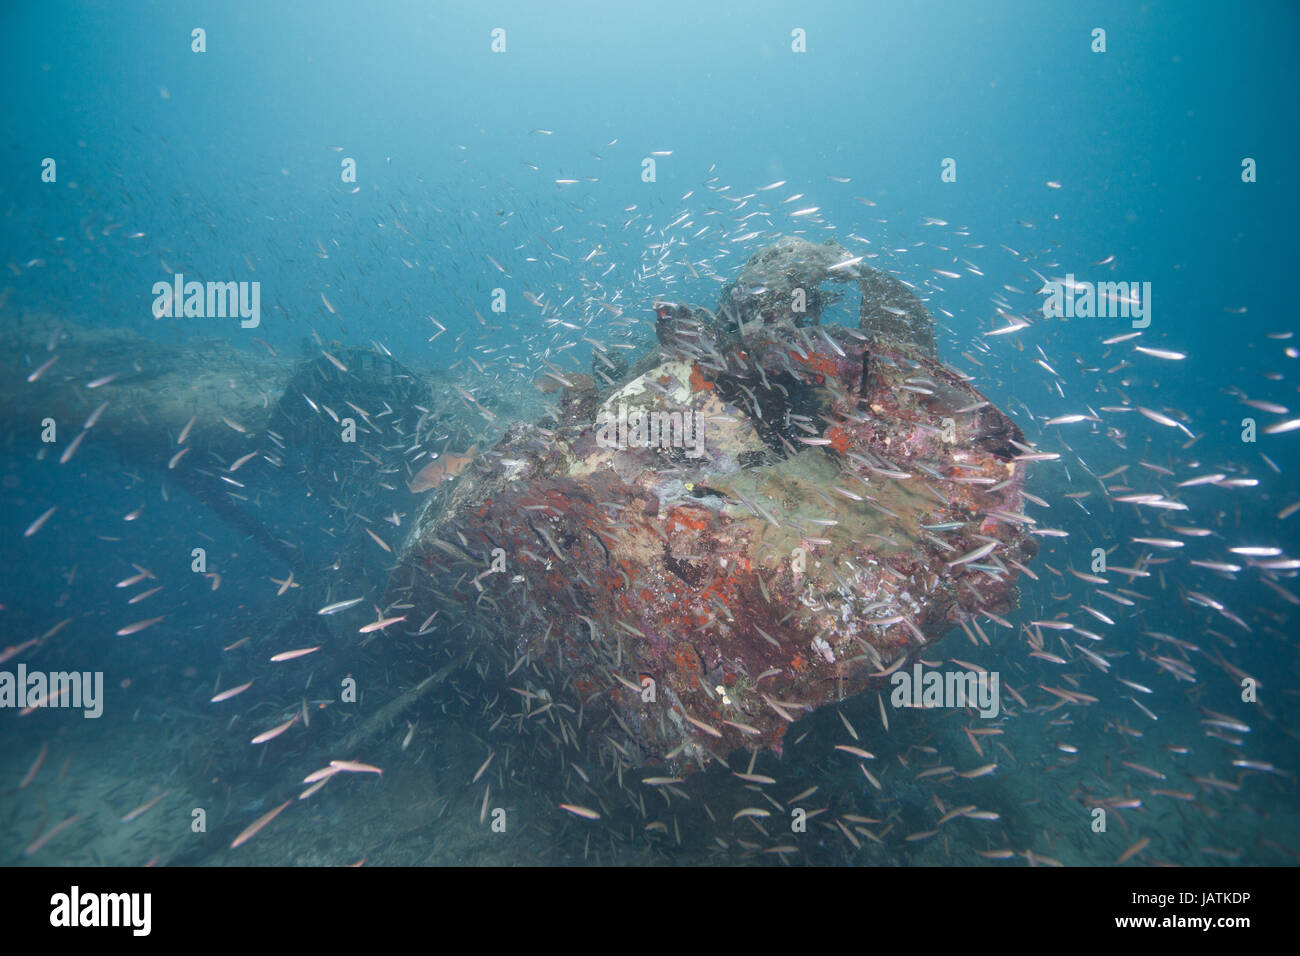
(975, 152)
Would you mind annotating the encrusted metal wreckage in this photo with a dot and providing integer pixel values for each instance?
(764, 515)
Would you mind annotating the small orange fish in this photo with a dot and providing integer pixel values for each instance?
(351, 766)
(275, 731)
(1134, 850)
(50, 834)
(251, 830)
(36, 767)
(144, 807)
(446, 468)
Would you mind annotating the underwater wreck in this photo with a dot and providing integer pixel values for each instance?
(193, 413)
(762, 516)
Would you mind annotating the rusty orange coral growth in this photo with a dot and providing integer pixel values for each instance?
(817, 362)
(679, 518)
(698, 382)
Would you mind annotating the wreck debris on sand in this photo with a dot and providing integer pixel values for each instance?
(766, 515)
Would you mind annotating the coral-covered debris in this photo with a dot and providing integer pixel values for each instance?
(760, 519)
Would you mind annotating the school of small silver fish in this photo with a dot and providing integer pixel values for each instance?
(1147, 673)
